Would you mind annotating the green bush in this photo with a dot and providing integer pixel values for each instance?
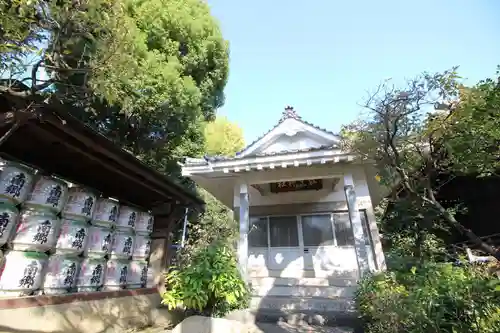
(209, 283)
(433, 298)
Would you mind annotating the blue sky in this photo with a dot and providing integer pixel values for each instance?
(322, 56)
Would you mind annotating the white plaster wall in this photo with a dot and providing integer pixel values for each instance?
(297, 197)
(324, 195)
(298, 141)
(290, 262)
(293, 134)
(323, 262)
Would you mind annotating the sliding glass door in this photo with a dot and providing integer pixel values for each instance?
(284, 245)
(322, 242)
(318, 239)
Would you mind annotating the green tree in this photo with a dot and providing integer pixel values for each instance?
(46, 42)
(145, 73)
(208, 261)
(405, 139)
(217, 224)
(411, 232)
(223, 137)
(183, 70)
(472, 131)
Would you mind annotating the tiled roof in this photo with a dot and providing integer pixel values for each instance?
(288, 113)
(290, 151)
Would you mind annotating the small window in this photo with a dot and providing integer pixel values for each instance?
(317, 230)
(257, 234)
(284, 231)
(343, 229)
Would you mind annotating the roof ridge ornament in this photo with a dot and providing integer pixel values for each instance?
(288, 113)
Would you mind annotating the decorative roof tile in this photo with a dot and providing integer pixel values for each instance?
(289, 113)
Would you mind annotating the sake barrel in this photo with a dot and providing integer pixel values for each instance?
(99, 242)
(21, 273)
(127, 218)
(106, 212)
(138, 274)
(80, 203)
(116, 274)
(91, 275)
(142, 247)
(15, 182)
(60, 274)
(73, 236)
(37, 230)
(144, 223)
(8, 220)
(48, 192)
(123, 245)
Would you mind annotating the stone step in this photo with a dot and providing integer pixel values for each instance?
(303, 281)
(281, 327)
(291, 303)
(299, 318)
(306, 273)
(303, 291)
(304, 318)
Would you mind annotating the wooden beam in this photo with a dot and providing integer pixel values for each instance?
(89, 156)
(61, 125)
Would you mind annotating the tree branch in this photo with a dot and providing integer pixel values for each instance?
(403, 135)
(450, 219)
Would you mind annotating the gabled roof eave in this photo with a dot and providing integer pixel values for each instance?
(289, 113)
(269, 136)
(260, 163)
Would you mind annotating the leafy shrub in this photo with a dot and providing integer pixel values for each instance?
(433, 298)
(209, 283)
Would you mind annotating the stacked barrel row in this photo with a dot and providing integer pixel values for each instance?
(61, 238)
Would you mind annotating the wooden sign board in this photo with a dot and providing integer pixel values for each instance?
(299, 185)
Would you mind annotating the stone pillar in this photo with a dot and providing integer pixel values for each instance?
(377, 244)
(244, 226)
(357, 227)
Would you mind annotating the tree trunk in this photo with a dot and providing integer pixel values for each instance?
(419, 243)
(450, 219)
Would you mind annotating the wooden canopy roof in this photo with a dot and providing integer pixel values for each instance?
(52, 140)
